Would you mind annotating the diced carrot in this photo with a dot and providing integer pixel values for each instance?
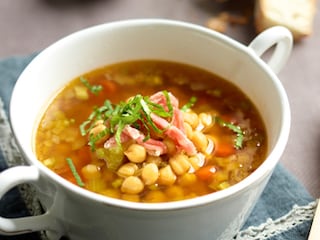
(206, 173)
(83, 157)
(109, 86)
(224, 149)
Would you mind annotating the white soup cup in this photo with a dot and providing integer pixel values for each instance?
(79, 214)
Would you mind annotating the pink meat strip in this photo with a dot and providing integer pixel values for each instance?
(153, 147)
(177, 119)
(159, 98)
(175, 134)
(111, 142)
(175, 129)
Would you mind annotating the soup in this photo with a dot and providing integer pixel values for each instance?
(151, 131)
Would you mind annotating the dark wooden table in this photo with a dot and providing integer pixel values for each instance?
(29, 26)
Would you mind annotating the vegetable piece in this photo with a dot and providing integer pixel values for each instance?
(113, 156)
(74, 172)
(236, 129)
(206, 173)
(81, 92)
(95, 89)
(223, 149)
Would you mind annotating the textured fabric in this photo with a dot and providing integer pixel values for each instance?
(284, 211)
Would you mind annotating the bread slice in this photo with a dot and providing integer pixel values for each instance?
(296, 15)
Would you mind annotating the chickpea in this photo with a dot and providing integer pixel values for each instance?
(154, 159)
(98, 128)
(179, 164)
(171, 146)
(132, 185)
(196, 162)
(91, 171)
(200, 141)
(127, 170)
(166, 176)
(210, 146)
(206, 120)
(136, 153)
(191, 118)
(188, 129)
(150, 173)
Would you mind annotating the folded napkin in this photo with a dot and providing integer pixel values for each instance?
(283, 212)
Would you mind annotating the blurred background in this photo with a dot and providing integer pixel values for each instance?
(29, 26)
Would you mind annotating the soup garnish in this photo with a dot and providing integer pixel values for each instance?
(151, 131)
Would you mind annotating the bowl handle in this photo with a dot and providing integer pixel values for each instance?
(14, 226)
(279, 36)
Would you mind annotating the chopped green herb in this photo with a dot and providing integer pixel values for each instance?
(95, 89)
(95, 138)
(236, 129)
(169, 105)
(136, 111)
(74, 172)
(189, 104)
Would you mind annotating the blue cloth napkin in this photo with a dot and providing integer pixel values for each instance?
(283, 212)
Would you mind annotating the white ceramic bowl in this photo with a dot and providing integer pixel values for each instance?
(79, 214)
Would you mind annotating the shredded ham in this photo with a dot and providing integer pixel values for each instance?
(111, 142)
(159, 98)
(173, 129)
(175, 134)
(153, 147)
(177, 119)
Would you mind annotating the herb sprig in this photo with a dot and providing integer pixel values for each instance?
(189, 104)
(238, 143)
(95, 89)
(74, 172)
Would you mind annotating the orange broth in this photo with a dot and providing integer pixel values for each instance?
(58, 136)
